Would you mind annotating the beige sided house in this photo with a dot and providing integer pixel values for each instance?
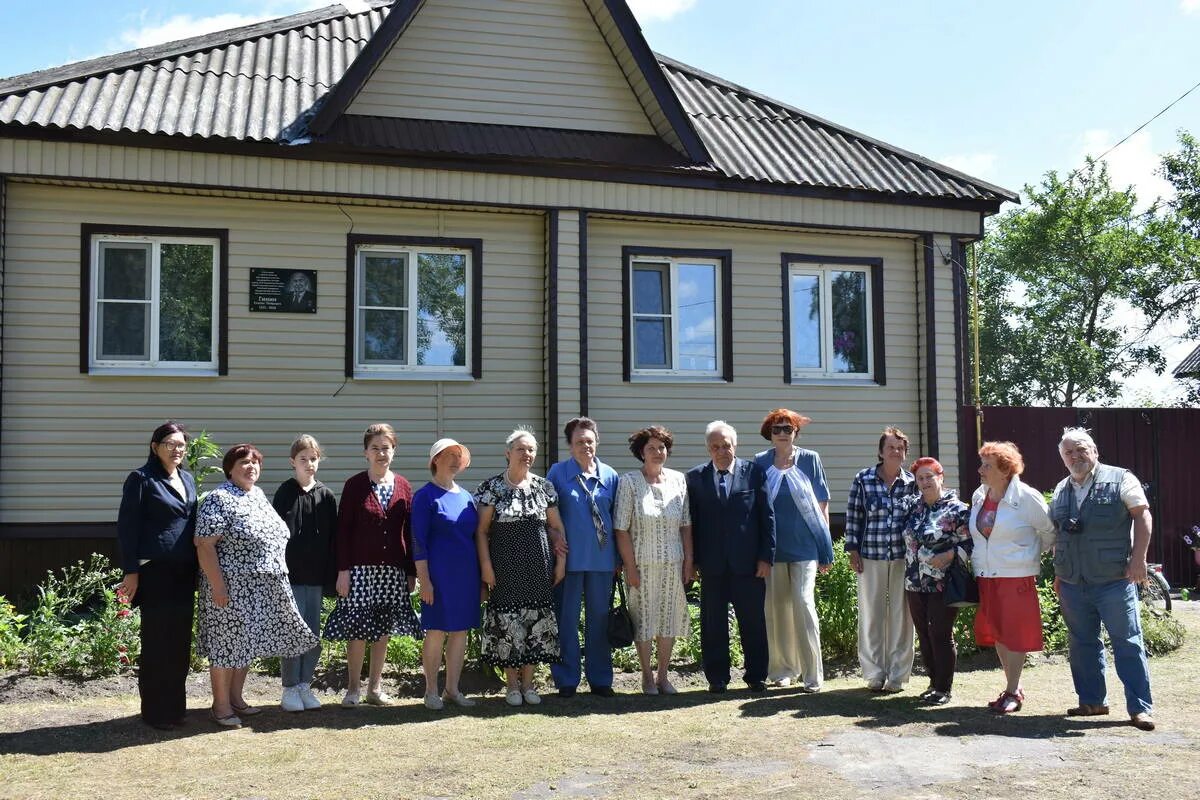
(513, 211)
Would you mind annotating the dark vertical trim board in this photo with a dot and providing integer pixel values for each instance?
(355, 240)
(351, 301)
(930, 350)
(668, 101)
(784, 271)
(875, 278)
(726, 259)
(958, 271)
(583, 314)
(552, 334)
(223, 304)
(88, 230)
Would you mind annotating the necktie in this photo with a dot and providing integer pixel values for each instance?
(722, 491)
(597, 519)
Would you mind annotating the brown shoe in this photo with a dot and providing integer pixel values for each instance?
(1142, 721)
(1087, 710)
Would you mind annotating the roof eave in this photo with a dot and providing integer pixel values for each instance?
(316, 151)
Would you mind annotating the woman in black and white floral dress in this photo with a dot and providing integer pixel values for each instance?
(247, 609)
(520, 564)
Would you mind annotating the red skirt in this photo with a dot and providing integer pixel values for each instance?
(1009, 613)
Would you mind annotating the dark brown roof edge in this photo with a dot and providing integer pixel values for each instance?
(364, 65)
(81, 70)
(1006, 194)
(660, 87)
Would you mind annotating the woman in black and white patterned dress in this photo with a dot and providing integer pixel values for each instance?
(520, 564)
(247, 609)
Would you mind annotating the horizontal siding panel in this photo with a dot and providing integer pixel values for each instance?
(286, 371)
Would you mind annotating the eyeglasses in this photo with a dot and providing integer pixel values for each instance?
(177, 448)
(782, 429)
(380, 450)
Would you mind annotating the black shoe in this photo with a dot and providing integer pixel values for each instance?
(757, 686)
(602, 691)
(161, 726)
(567, 691)
(717, 688)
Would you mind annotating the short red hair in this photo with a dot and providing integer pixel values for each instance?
(930, 462)
(1008, 457)
(782, 416)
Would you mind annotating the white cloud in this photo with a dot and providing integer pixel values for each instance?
(152, 30)
(977, 165)
(656, 10)
(1189, 6)
(1132, 164)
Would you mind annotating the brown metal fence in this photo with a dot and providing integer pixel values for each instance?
(1158, 444)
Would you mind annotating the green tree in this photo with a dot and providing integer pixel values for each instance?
(1052, 278)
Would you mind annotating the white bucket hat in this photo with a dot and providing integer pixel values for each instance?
(443, 444)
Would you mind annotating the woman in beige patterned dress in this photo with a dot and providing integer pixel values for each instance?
(654, 536)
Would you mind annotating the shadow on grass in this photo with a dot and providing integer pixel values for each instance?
(871, 711)
(109, 735)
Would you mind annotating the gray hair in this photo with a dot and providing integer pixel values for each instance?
(519, 433)
(1078, 436)
(720, 425)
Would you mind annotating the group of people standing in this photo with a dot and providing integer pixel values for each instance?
(541, 551)
(904, 531)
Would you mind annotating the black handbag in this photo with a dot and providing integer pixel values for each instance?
(620, 622)
(959, 588)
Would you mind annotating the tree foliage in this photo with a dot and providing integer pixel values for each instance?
(1055, 280)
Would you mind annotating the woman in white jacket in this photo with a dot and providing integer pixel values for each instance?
(1010, 529)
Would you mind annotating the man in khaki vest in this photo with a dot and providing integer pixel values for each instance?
(1098, 565)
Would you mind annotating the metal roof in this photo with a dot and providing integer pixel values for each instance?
(1189, 367)
(264, 82)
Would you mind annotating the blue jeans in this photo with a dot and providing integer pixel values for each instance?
(1085, 606)
(591, 590)
(299, 669)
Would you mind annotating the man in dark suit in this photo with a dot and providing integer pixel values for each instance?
(733, 530)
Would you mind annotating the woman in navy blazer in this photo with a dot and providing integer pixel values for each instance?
(154, 530)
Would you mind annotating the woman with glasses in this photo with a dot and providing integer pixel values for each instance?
(155, 527)
(1010, 528)
(376, 575)
(799, 495)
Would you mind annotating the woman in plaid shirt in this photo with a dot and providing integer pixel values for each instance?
(875, 544)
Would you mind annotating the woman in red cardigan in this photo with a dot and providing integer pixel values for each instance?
(376, 573)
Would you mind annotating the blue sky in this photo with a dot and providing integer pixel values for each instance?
(1001, 90)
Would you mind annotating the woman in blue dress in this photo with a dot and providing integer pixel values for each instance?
(444, 520)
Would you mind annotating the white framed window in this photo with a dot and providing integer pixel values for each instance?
(677, 323)
(154, 302)
(415, 309)
(831, 320)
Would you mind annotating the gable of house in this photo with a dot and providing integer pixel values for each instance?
(539, 63)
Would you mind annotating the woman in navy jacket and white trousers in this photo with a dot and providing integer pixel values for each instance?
(154, 529)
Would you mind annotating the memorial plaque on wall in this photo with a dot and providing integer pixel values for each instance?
(290, 291)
